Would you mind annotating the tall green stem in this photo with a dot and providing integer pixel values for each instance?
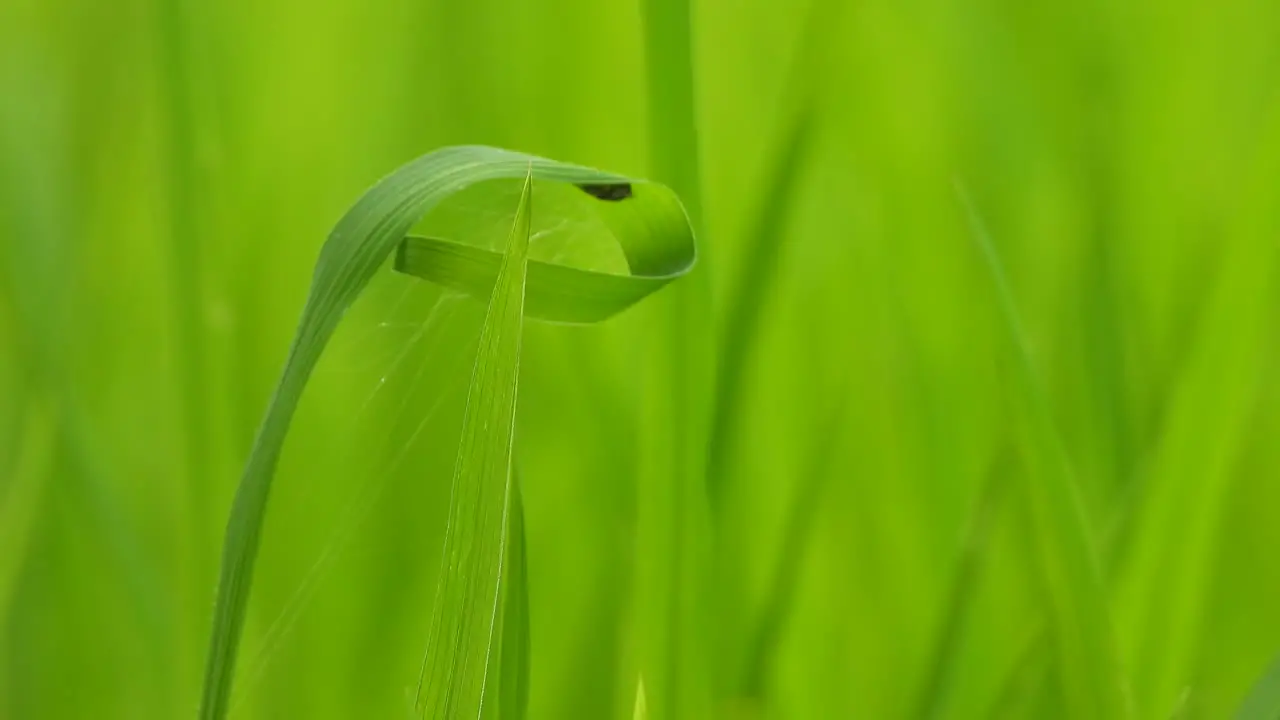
(673, 491)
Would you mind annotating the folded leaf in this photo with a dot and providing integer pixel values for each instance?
(650, 225)
(647, 222)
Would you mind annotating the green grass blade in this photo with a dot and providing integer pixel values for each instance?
(1263, 701)
(652, 227)
(765, 245)
(673, 127)
(468, 599)
(1086, 651)
(754, 288)
(1024, 684)
(513, 679)
(736, 349)
(784, 584)
(672, 500)
(506, 694)
(945, 655)
(20, 495)
(641, 711)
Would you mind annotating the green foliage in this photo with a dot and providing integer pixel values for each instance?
(1077, 605)
(513, 660)
(466, 629)
(356, 248)
(1263, 702)
(849, 464)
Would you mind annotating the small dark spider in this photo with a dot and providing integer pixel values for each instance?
(611, 192)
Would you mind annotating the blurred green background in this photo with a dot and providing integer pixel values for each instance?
(846, 532)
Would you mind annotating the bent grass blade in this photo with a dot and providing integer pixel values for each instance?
(649, 224)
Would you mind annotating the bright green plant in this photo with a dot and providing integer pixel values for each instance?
(851, 465)
(649, 225)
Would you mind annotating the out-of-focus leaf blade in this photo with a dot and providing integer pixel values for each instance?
(754, 290)
(1263, 701)
(641, 711)
(784, 580)
(945, 655)
(21, 493)
(651, 226)
(1087, 654)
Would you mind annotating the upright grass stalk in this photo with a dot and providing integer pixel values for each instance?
(672, 495)
(187, 229)
(766, 633)
(468, 606)
(673, 124)
(1087, 656)
(1263, 700)
(738, 339)
(512, 686)
(736, 349)
(764, 254)
(1172, 559)
(766, 243)
(20, 496)
(61, 449)
(932, 701)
